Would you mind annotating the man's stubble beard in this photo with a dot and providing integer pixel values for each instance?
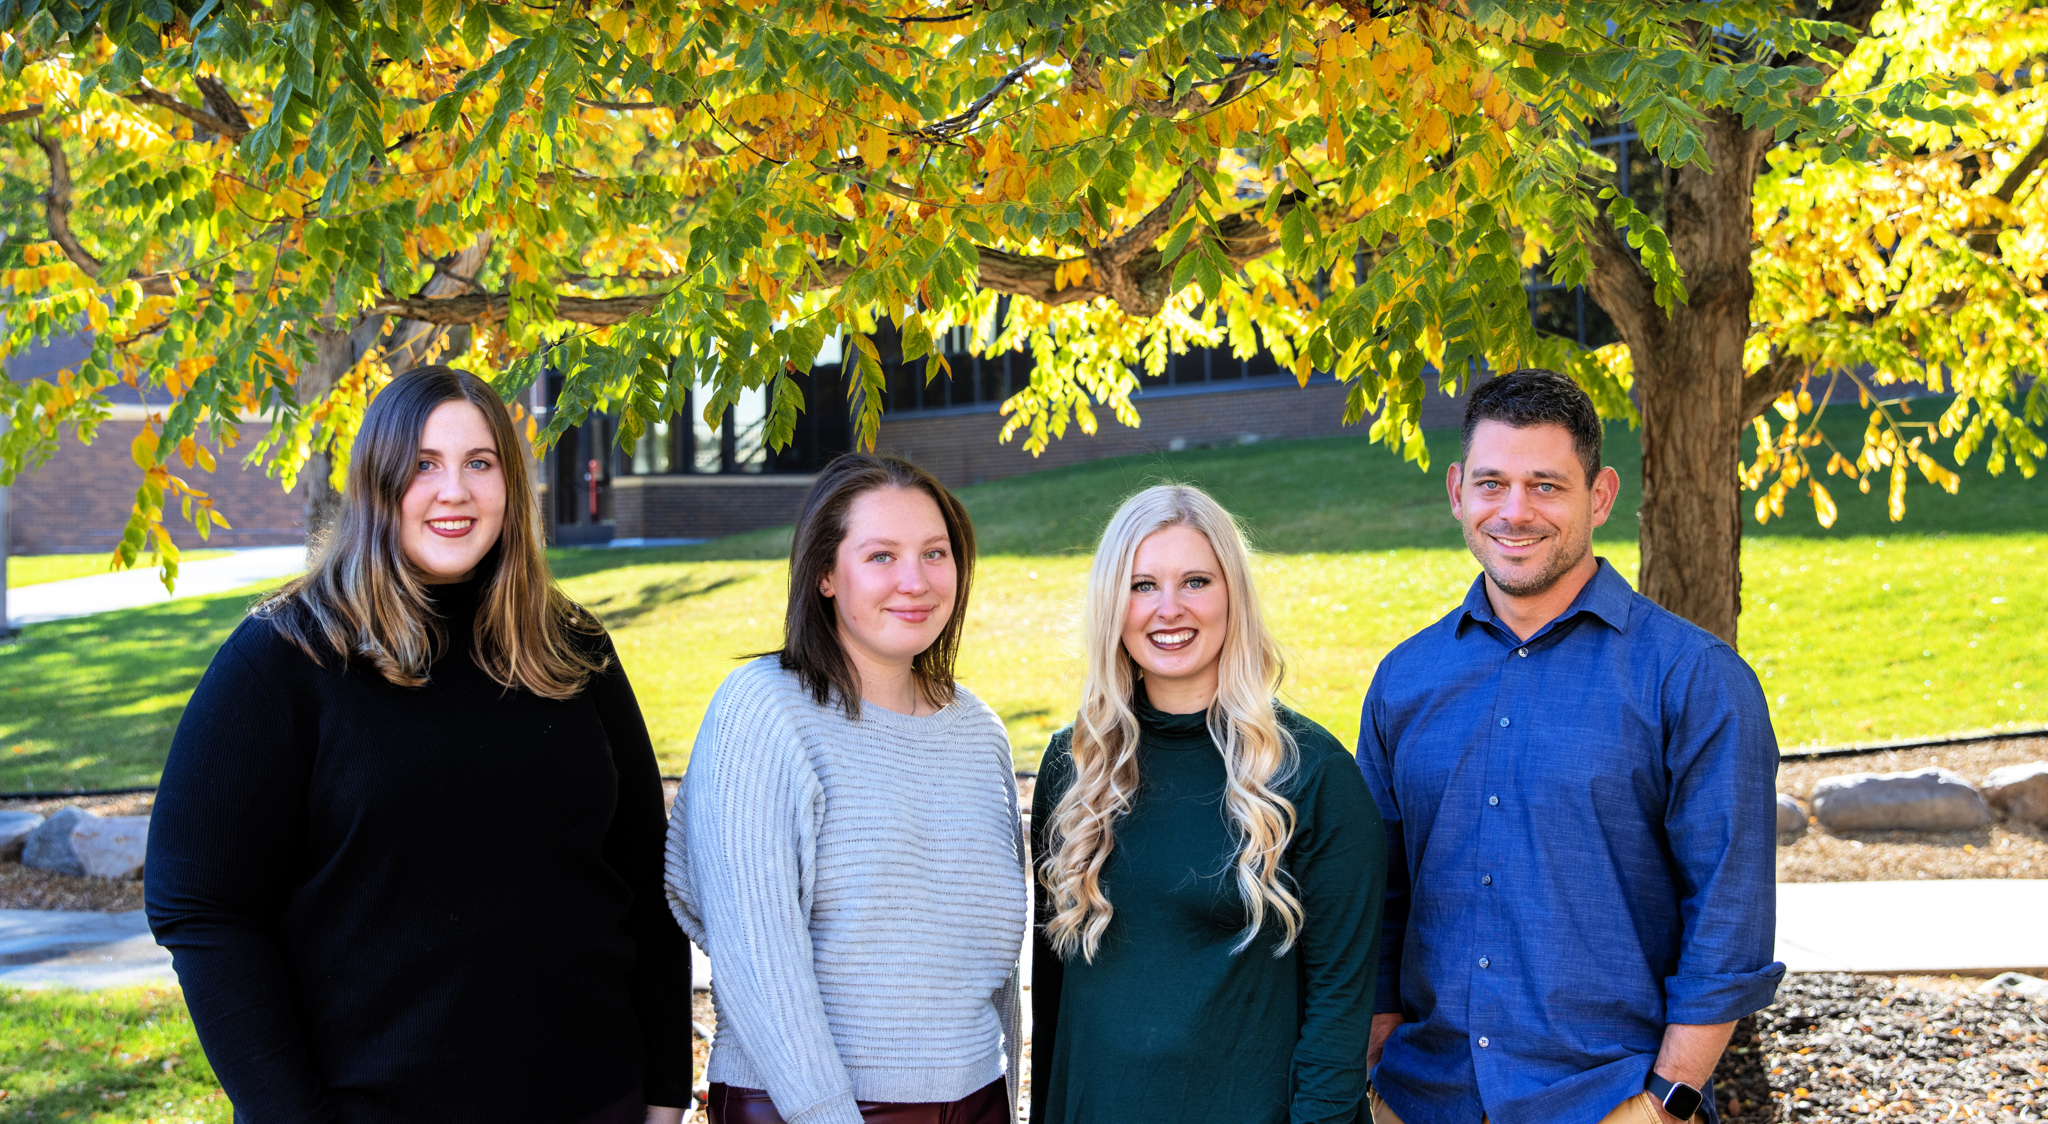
(1568, 556)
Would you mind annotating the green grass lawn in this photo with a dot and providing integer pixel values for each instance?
(35, 569)
(106, 1057)
(1870, 631)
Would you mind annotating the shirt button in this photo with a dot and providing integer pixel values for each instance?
(1522, 652)
(1486, 880)
(1503, 722)
(1493, 800)
(1485, 963)
(1483, 1043)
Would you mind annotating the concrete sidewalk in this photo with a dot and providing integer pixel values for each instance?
(1947, 925)
(1975, 926)
(59, 948)
(128, 589)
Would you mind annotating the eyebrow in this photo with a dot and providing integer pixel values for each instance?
(868, 543)
(491, 449)
(1536, 474)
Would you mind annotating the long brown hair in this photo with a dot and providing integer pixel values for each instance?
(810, 627)
(361, 599)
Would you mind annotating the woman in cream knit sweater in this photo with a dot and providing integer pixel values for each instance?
(846, 847)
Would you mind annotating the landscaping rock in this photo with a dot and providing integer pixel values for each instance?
(1932, 799)
(76, 842)
(14, 831)
(2019, 792)
(1791, 819)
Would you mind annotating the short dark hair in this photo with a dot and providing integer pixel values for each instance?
(1534, 396)
(810, 627)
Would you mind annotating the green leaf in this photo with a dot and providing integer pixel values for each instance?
(917, 338)
(1293, 234)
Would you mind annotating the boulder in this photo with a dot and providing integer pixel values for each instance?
(1791, 819)
(1932, 799)
(14, 831)
(2017, 792)
(76, 842)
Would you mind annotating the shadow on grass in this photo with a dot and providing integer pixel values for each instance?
(92, 702)
(622, 609)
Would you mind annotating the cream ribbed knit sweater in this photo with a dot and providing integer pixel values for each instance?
(860, 888)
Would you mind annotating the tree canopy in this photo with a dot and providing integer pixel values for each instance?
(653, 194)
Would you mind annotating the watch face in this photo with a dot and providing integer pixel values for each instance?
(1683, 1101)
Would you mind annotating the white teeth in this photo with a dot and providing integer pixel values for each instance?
(1181, 637)
(449, 524)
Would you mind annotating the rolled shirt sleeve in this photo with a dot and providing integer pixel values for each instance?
(1721, 820)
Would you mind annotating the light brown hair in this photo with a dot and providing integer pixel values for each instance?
(362, 600)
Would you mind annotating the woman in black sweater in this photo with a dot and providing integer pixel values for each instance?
(407, 852)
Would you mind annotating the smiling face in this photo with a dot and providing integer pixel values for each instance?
(894, 580)
(1178, 617)
(454, 509)
(1527, 508)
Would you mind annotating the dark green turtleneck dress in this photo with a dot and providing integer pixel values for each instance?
(1168, 1025)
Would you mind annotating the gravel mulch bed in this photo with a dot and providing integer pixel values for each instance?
(1843, 1047)
(2003, 850)
(25, 887)
(133, 804)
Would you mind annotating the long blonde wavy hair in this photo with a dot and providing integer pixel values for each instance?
(1259, 756)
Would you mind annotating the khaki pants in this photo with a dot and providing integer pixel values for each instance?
(1639, 1109)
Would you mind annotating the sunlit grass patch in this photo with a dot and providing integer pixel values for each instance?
(35, 569)
(104, 1057)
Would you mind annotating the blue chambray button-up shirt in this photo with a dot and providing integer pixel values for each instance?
(1581, 848)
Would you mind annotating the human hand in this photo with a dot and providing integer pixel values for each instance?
(658, 1114)
(1382, 1027)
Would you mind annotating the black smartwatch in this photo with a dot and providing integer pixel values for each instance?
(1679, 1099)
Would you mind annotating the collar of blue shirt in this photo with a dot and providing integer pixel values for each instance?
(1608, 597)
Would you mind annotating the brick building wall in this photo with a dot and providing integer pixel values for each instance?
(78, 501)
(959, 446)
(706, 506)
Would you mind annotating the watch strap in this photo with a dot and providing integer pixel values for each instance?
(1678, 1098)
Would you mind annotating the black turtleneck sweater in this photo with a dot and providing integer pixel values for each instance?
(1167, 1025)
(395, 905)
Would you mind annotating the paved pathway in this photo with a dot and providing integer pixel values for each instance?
(43, 948)
(1933, 926)
(1953, 925)
(128, 589)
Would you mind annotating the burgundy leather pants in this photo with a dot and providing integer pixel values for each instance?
(732, 1104)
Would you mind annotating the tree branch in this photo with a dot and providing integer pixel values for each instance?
(2020, 171)
(1139, 283)
(1767, 385)
(232, 130)
(23, 114)
(1620, 283)
(57, 215)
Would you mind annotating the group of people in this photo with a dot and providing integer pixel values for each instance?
(411, 858)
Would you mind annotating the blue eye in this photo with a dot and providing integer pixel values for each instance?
(426, 466)
(884, 557)
(1142, 587)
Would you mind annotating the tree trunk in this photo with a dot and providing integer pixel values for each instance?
(1689, 378)
(334, 352)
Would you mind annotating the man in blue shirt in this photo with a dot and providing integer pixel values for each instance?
(1578, 790)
